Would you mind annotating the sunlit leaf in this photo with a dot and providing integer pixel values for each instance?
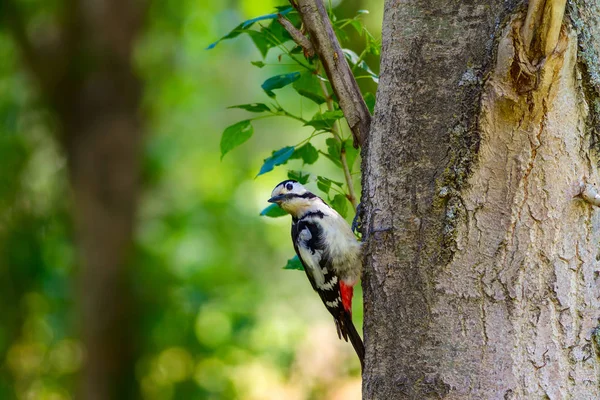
(340, 204)
(294, 263)
(307, 153)
(273, 211)
(254, 107)
(298, 176)
(279, 81)
(279, 157)
(235, 135)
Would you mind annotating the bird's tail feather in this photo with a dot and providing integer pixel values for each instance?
(347, 327)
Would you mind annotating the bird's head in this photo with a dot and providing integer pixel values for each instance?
(292, 197)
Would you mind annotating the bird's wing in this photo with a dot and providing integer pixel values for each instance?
(308, 245)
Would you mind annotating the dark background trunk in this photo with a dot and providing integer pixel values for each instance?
(86, 76)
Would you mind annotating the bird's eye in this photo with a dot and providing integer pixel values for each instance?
(289, 186)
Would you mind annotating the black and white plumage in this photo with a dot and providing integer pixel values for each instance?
(329, 252)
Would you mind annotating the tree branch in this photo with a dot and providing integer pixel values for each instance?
(298, 37)
(325, 44)
(551, 23)
(343, 159)
(588, 192)
(544, 19)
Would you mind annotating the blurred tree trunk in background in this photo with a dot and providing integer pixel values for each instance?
(85, 74)
(486, 285)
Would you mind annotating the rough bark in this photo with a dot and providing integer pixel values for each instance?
(485, 285)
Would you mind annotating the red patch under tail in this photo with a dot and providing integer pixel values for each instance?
(346, 292)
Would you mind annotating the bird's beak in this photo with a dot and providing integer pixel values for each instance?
(276, 199)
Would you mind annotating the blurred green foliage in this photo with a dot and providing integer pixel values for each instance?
(217, 317)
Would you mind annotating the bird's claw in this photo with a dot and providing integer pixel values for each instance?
(357, 221)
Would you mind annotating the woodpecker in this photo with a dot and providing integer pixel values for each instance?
(329, 252)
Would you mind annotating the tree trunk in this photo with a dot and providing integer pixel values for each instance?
(102, 137)
(481, 268)
(88, 80)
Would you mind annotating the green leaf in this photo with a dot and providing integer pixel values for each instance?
(279, 157)
(248, 23)
(276, 32)
(299, 176)
(370, 100)
(297, 50)
(373, 45)
(308, 86)
(368, 70)
(258, 64)
(273, 211)
(254, 107)
(351, 56)
(334, 150)
(279, 81)
(326, 120)
(340, 204)
(235, 135)
(358, 25)
(294, 263)
(244, 26)
(307, 153)
(355, 60)
(261, 41)
(351, 153)
(341, 35)
(324, 184)
(235, 32)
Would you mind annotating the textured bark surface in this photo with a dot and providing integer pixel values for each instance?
(485, 287)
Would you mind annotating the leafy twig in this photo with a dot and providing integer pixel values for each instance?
(326, 45)
(336, 134)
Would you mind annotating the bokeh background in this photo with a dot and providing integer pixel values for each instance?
(216, 316)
